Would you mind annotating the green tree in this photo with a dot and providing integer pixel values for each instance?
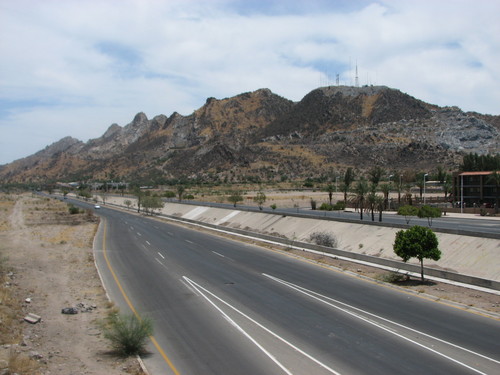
(139, 194)
(260, 199)
(494, 179)
(152, 203)
(360, 191)
(348, 180)
(429, 213)
(408, 211)
(235, 198)
(417, 242)
(128, 203)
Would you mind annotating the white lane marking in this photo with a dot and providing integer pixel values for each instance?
(170, 233)
(238, 327)
(161, 255)
(324, 299)
(216, 253)
(148, 242)
(159, 261)
(155, 227)
(139, 234)
(199, 288)
(131, 227)
(191, 242)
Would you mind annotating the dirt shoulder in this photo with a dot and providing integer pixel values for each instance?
(48, 265)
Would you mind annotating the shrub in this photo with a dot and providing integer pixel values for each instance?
(169, 194)
(326, 207)
(323, 239)
(128, 334)
(339, 206)
(73, 210)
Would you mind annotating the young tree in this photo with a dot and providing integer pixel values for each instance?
(361, 190)
(152, 203)
(139, 194)
(429, 213)
(260, 199)
(417, 242)
(128, 203)
(235, 198)
(408, 211)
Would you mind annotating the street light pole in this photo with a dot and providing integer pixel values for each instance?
(425, 175)
(388, 199)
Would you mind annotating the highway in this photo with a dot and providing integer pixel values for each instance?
(472, 225)
(225, 307)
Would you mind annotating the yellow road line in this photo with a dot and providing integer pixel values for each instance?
(129, 303)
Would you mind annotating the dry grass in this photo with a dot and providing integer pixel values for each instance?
(21, 364)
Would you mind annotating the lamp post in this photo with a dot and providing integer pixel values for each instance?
(388, 199)
(425, 175)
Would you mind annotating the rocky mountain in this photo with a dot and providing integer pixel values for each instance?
(261, 135)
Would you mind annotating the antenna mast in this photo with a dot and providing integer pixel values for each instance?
(357, 78)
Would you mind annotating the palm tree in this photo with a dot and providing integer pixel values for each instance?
(376, 175)
(386, 190)
(371, 200)
(494, 178)
(348, 180)
(330, 189)
(379, 204)
(360, 191)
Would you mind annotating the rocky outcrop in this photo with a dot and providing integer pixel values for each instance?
(262, 135)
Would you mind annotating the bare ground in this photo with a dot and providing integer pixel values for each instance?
(48, 265)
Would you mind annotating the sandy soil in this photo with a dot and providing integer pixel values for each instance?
(50, 266)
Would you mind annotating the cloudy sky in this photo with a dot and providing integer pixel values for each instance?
(72, 67)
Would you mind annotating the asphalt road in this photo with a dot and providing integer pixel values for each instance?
(473, 225)
(224, 307)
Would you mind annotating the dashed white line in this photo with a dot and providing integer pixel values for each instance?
(330, 302)
(148, 242)
(191, 242)
(216, 253)
(160, 254)
(201, 291)
(140, 235)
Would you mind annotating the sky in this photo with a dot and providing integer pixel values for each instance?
(73, 68)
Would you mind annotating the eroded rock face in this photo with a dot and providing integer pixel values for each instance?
(263, 135)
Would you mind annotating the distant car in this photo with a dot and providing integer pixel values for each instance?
(97, 206)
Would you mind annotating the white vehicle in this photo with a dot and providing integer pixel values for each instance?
(97, 206)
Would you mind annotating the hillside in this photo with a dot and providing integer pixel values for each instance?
(262, 135)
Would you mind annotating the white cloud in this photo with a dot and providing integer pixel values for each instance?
(72, 68)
